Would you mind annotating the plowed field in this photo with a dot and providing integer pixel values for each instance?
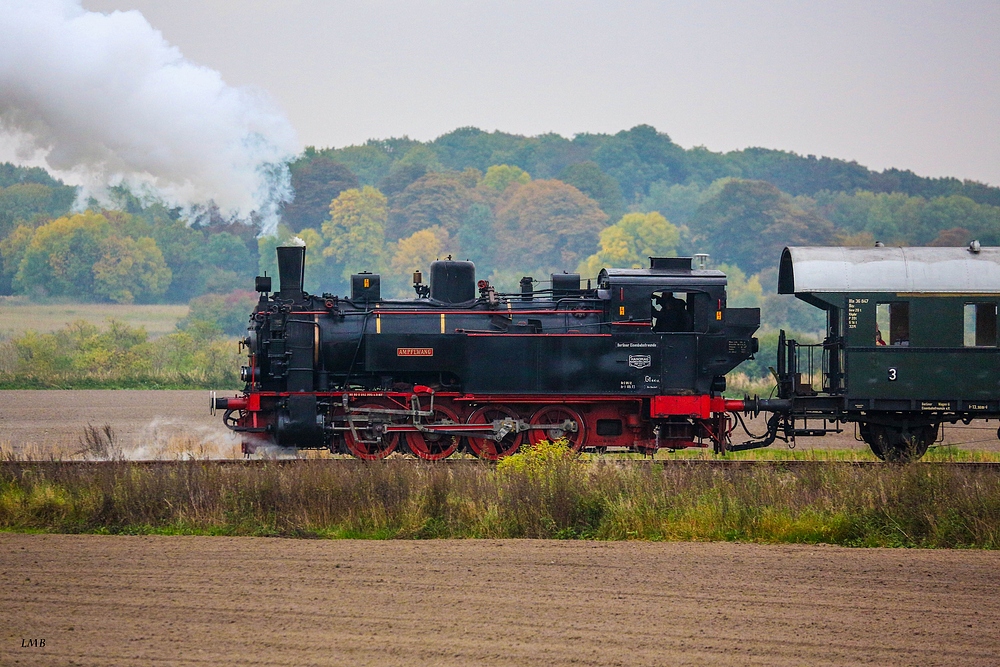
(109, 600)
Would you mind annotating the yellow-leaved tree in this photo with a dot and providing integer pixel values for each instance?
(500, 176)
(355, 232)
(631, 241)
(415, 253)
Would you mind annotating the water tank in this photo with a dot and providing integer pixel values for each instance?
(453, 281)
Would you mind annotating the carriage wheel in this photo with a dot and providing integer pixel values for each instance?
(435, 446)
(380, 444)
(556, 415)
(899, 445)
(487, 447)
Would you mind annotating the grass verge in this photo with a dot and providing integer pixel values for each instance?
(536, 494)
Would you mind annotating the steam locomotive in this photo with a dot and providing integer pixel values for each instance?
(637, 362)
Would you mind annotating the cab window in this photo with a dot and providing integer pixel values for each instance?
(672, 312)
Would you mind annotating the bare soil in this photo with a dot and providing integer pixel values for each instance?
(41, 422)
(112, 600)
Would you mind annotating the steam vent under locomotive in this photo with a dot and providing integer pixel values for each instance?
(637, 362)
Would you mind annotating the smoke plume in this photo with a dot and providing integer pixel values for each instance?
(104, 99)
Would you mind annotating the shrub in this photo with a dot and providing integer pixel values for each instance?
(84, 356)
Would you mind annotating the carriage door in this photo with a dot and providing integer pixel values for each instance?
(673, 319)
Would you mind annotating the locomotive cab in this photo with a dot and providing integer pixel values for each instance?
(668, 297)
(684, 311)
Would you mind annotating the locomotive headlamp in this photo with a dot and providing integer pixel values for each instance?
(262, 283)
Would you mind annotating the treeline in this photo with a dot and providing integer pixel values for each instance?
(128, 252)
(515, 205)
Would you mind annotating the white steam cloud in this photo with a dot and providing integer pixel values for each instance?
(104, 99)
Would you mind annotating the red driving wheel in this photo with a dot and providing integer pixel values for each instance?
(433, 446)
(557, 416)
(378, 445)
(486, 447)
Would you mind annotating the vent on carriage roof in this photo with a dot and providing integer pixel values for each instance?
(670, 263)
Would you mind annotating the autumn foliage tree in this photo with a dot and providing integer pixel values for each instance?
(546, 224)
(84, 255)
(437, 199)
(355, 231)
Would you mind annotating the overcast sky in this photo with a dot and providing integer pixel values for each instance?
(890, 84)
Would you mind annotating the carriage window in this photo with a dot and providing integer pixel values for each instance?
(894, 319)
(672, 312)
(980, 325)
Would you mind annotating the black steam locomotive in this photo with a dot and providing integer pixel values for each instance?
(637, 361)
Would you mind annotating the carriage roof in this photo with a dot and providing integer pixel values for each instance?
(971, 270)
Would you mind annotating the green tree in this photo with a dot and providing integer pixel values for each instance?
(476, 237)
(315, 182)
(546, 224)
(12, 249)
(181, 247)
(226, 313)
(639, 157)
(630, 241)
(420, 155)
(675, 201)
(748, 223)
(943, 213)
(369, 162)
(23, 202)
(227, 252)
(588, 178)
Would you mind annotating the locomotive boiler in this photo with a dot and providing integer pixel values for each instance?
(637, 361)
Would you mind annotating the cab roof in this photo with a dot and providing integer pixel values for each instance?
(664, 271)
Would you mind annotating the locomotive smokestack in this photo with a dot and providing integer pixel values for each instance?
(291, 270)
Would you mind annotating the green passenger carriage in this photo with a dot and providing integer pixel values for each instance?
(911, 342)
